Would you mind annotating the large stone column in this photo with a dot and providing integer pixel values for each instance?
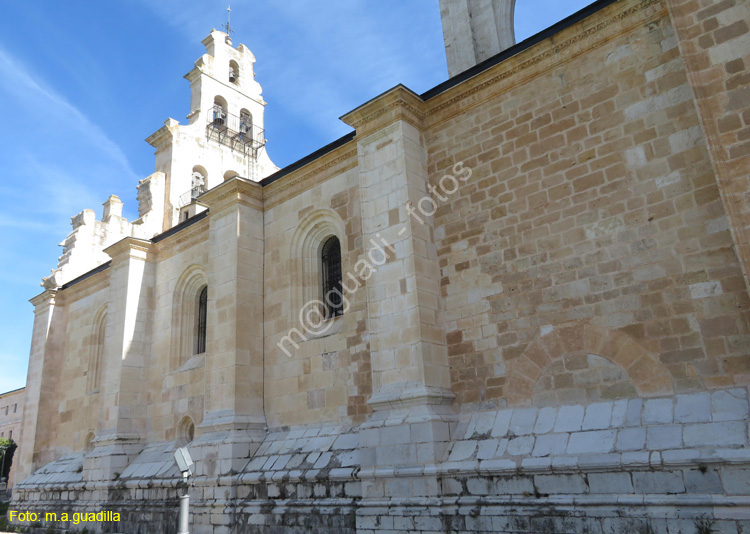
(411, 380)
(49, 325)
(475, 30)
(124, 395)
(234, 421)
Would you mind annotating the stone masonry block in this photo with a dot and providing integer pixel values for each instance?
(481, 425)
(545, 421)
(619, 413)
(569, 419)
(550, 445)
(699, 482)
(715, 434)
(462, 450)
(615, 483)
(523, 421)
(487, 449)
(598, 441)
(633, 418)
(656, 411)
(598, 416)
(664, 437)
(631, 439)
(693, 408)
(502, 423)
(658, 482)
(521, 445)
(729, 405)
(736, 480)
(513, 485)
(394, 435)
(346, 441)
(556, 484)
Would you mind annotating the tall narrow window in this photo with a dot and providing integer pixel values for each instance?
(246, 123)
(219, 112)
(330, 256)
(234, 72)
(200, 337)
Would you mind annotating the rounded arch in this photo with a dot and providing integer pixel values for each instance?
(185, 431)
(88, 442)
(185, 304)
(246, 122)
(199, 181)
(647, 373)
(219, 111)
(221, 101)
(97, 349)
(234, 71)
(307, 242)
(314, 229)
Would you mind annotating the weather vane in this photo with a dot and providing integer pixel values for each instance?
(228, 25)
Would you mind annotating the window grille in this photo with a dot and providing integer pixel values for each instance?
(331, 267)
(202, 313)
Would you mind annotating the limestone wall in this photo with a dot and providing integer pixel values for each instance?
(592, 200)
(327, 378)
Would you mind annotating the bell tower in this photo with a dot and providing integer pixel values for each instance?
(475, 30)
(224, 136)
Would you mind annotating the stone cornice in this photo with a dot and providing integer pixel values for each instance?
(130, 247)
(164, 134)
(182, 240)
(45, 298)
(399, 103)
(234, 191)
(87, 286)
(333, 163)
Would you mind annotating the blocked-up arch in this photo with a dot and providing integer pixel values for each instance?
(88, 442)
(185, 314)
(96, 350)
(649, 376)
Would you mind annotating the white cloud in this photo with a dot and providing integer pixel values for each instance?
(47, 108)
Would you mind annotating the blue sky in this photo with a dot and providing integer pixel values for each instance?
(82, 85)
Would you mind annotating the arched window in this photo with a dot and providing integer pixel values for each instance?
(189, 317)
(246, 124)
(96, 355)
(330, 259)
(220, 112)
(198, 182)
(200, 321)
(234, 72)
(315, 262)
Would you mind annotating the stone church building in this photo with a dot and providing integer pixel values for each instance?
(516, 303)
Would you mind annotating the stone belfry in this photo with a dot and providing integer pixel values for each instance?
(475, 30)
(224, 136)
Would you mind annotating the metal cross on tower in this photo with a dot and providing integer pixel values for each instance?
(228, 25)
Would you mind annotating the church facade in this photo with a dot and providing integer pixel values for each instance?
(516, 303)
